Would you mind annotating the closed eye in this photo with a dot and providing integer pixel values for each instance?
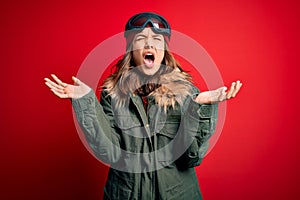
(138, 38)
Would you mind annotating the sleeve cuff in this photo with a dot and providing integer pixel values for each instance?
(201, 110)
(84, 102)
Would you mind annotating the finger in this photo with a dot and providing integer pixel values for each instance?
(57, 91)
(50, 85)
(61, 95)
(53, 84)
(237, 88)
(49, 81)
(59, 81)
(229, 93)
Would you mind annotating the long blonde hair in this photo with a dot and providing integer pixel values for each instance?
(124, 80)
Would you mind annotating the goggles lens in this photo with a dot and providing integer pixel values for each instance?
(140, 21)
(143, 21)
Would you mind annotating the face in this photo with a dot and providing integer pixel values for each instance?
(148, 51)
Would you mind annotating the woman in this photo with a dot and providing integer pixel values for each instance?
(152, 124)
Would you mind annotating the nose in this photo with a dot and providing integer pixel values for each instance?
(148, 44)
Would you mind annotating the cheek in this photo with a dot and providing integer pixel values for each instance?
(137, 57)
(137, 45)
(160, 56)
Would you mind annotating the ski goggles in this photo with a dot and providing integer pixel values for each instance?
(140, 21)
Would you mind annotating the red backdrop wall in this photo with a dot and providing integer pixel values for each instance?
(256, 156)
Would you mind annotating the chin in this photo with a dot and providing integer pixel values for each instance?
(150, 71)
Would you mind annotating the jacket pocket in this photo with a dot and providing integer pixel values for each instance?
(170, 126)
(167, 133)
(131, 131)
(119, 185)
(126, 122)
(166, 140)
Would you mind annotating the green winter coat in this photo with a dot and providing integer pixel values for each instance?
(151, 152)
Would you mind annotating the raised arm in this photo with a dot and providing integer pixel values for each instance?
(96, 124)
(199, 123)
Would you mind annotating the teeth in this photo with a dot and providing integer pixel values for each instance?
(149, 56)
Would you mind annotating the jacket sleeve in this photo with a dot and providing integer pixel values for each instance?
(97, 124)
(198, 125)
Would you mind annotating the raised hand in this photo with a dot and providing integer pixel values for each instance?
(64, 90)
(219, 95)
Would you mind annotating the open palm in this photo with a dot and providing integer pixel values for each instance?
(65, 90)
(219, 95)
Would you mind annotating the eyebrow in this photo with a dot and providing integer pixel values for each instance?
(141, 34)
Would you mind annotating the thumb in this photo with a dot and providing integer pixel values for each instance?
(222, 93)
(76, 80)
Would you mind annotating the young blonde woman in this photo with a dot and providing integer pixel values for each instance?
(152, 124)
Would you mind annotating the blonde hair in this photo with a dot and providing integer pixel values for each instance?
(124, 80)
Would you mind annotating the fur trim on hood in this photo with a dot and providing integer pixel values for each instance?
(174, 88)
(166, 88)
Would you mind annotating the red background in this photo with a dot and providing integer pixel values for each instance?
(256, 41)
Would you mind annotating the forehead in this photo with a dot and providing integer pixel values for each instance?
(148, 31)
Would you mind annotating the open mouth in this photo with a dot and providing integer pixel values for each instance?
(149, 59)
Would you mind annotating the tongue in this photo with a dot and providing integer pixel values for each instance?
(148, 62)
